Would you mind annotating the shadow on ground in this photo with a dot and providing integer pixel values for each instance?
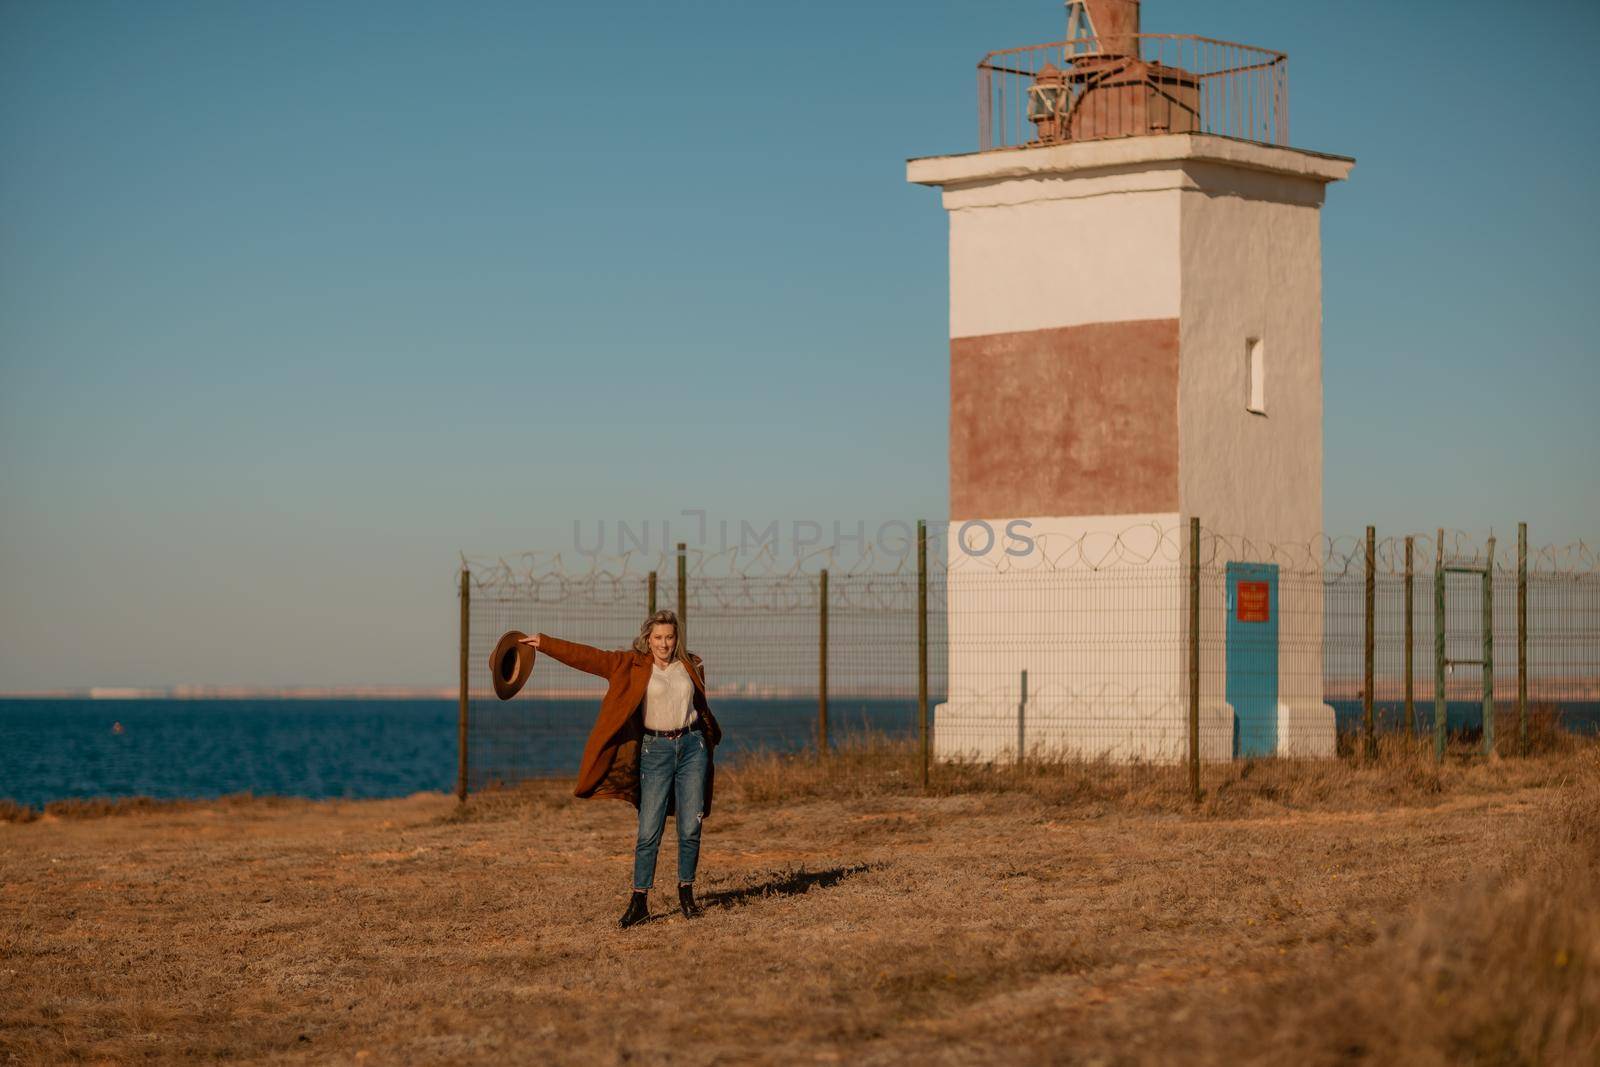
(792, 884)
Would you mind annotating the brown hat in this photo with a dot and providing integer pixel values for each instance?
(510, 664)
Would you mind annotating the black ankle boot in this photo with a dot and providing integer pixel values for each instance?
(638, 911)
(691, 910)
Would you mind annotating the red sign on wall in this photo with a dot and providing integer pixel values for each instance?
(1254, 602)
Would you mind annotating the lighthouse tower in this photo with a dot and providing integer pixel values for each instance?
(1135, 321)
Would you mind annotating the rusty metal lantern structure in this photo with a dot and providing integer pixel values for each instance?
(1049, 103)
(1105, 87)
(1109, 78)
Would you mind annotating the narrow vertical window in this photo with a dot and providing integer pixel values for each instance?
(1255, 376)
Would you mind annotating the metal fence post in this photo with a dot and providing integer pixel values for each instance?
(1438, 651)
(1194, 658)
(822, 664)
(1369, 645)
(683, 596)
(1488, 652)
(922, 643)
(461, 713)
(1522, 638)
(1022, 719)
(650, 609)
(1411, 693)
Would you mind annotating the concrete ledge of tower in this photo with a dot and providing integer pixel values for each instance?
(1088, 156)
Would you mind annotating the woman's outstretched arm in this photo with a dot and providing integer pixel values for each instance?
(585, 658)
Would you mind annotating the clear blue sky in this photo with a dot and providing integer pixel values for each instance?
(298, 300)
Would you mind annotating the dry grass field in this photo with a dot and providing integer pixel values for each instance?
(1309, 914)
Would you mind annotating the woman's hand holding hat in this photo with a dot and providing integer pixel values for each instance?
(511, 662)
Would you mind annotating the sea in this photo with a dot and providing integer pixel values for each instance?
(55, 749)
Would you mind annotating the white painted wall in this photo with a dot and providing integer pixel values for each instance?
(1063, 262)
(1072, 234)
(1095, 615)
(1252, 268)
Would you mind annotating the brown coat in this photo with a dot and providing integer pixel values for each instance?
(610, 766)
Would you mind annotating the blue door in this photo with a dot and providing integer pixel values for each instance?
(1253, 657)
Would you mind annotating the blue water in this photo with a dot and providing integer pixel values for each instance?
(1460, 716)
(54, 749)
(50, 749)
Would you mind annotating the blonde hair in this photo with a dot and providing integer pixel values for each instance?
(662, 618)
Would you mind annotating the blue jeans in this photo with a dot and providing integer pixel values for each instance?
(669, 763)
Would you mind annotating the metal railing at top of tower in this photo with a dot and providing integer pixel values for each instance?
(1131, 85)
(1075, 650)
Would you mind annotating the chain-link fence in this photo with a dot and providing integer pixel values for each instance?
(1155, 653)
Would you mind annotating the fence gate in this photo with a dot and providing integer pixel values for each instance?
(1442, 664)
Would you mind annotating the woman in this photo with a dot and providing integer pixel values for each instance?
(651, 745)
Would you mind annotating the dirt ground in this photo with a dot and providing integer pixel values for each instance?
(984, 926)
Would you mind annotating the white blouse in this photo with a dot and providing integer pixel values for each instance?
(669, 702)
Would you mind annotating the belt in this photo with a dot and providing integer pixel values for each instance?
(668, 733)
